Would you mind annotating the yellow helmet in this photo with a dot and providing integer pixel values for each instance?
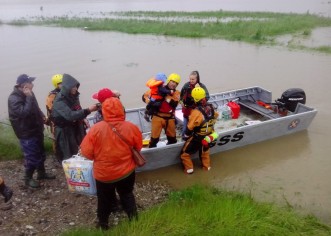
(57, 79)
(173, 77)
(198, 93)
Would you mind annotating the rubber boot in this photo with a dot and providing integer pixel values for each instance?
(133, 215)
(153, 142)
(43, 175)
(102, 225)
(29, 181)
(6, 192)
(171, 140)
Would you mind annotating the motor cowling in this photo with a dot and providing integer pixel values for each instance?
(291, 97)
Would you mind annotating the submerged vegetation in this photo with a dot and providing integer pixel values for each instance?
(251, 27)
(200, 210)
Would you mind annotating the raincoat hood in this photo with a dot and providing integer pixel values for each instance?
(68, 82)
(113, 110)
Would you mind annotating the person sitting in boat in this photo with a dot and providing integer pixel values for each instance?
(157, 94)
(101, 96)
(186, 99)
(57, 83)
(164, 116)
(200, 125)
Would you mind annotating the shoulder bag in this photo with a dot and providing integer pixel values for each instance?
(138, 158)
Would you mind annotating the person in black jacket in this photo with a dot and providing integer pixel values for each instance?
(28, 121)
(69, 118)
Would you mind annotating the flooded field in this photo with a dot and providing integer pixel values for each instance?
(294, 169)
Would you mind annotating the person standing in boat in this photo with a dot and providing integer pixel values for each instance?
(69, 118)
(164, 116)
(158, 91)
(57, 83)
(28, 122)
(101, 96)
(114, 167)
(186, 99)
(200, 125)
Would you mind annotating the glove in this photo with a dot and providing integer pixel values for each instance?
(205, 143)
(209, 140)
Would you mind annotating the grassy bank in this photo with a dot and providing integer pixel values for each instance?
(9, 144)
(251, 27)
(206, 211)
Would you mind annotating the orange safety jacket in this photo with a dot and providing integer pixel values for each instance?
(50, 99)
(153, 84)
(199, 123)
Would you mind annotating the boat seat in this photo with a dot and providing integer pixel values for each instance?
(259, 109)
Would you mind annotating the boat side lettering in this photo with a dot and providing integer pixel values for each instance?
(231, 138)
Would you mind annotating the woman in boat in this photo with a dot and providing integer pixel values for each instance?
(114, 167)
(200, 125)
(69, 118)
(186, 99)
(164, 116)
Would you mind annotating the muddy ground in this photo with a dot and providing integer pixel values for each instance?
(52, 209)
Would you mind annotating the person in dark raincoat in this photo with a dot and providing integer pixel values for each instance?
(69, 118)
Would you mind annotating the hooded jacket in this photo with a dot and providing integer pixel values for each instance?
(68, 117)
(25, 115)
(66, 107)
(111, 155)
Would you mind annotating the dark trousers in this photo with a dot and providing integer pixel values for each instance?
(107, 198)
(34, 152)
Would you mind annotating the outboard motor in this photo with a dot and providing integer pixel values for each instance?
(291, 97)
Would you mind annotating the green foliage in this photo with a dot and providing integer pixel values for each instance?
(9, 144)
(325, 49)
(201, 210)
(251, 27)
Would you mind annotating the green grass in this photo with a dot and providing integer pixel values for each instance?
(9, 144)
(201, 210)
(251, 27)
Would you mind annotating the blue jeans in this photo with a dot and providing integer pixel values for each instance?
(34, 152)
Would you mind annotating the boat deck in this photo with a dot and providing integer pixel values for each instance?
(247, 116)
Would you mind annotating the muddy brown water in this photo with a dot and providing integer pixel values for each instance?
(293, 169)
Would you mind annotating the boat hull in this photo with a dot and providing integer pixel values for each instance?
(239, 137)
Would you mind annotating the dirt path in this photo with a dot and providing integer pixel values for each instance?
(51, 209)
